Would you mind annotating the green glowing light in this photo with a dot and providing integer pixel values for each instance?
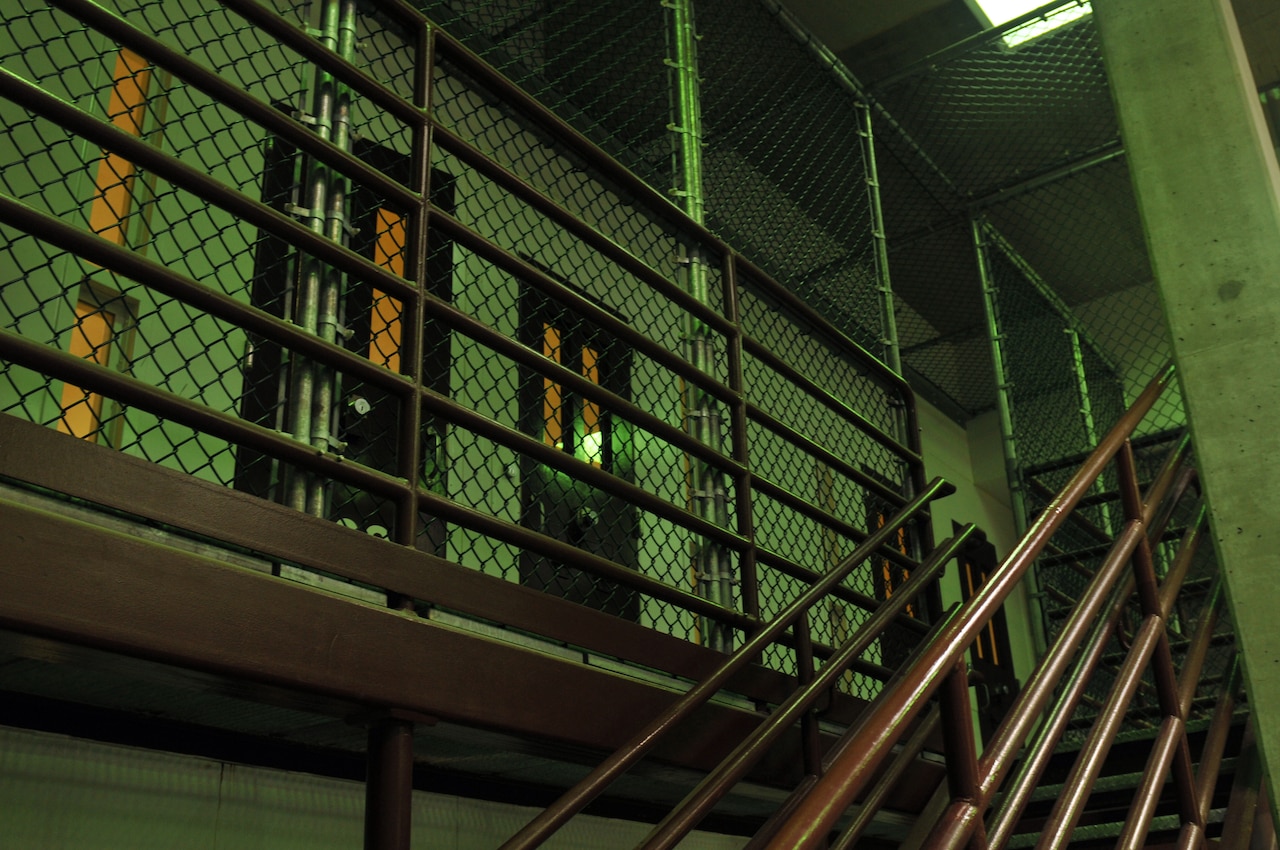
(591, 448)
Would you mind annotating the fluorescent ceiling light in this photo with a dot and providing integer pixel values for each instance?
(1002, 11)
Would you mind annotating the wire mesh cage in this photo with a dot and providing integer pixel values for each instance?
(1020, 137)
(238, 244)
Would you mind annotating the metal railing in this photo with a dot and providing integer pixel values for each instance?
(1036, 721)
(505, 380)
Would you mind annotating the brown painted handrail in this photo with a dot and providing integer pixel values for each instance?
(681, 820)
(551, 819)
(904, 699)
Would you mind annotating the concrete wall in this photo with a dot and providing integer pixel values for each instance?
(59, 793)
(971, 458)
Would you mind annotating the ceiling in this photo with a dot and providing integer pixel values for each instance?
(874, 38)
(974, 129)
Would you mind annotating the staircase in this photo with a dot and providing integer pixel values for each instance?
(1129, 733)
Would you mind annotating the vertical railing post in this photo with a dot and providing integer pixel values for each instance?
(1165, 675)
(961, 750)
(748, 577)
(714, 574)
(388, 801)
(1004, 407)
(811, 747)
(418, 252)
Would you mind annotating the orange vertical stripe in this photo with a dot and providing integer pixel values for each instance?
(551, 393)
(90, 339)
(968, 571)
(126, 108)
(386, 318)
(590, 409)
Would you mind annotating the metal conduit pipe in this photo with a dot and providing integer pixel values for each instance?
(713, 572)
(314, 387)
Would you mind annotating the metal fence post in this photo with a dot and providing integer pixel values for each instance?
(714, 575)
(1017, 493)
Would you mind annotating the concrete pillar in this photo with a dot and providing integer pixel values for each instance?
(1209, 191)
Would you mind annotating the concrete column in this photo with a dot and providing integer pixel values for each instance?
(1209, 191)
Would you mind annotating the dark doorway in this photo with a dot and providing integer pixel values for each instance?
(554, 503)
(990, 657)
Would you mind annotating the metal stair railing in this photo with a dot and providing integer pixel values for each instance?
(546, 823)
(1078, 650)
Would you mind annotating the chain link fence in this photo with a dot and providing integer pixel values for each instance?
(1006, 185)
(234, 244)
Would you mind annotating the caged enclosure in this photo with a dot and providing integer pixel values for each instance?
(540, 291)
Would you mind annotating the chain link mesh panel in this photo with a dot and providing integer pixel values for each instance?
(229, 271)
(1023, 137)
(786, 173)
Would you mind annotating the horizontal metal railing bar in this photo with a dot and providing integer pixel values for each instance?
(1105, 784)
(310, 48)
(543, 544)
(1077, 519)
(113, 384)
(829, 400)
(581, 470)
(161, 279)
(183, 176)
(452, 49)
(67, 367)
(1098, 551)
(824, 651)
(36, 456)
(698, 802)
(1100, 831)
(223, 92)
(555, 816)
(903, 700)
(503, 344)
(447, 140)
(798, 571)
(1212, 762)
(602, 318)
(1172, 750)
(1066, 812)
(1031, 701)
(1036, 758)
(806, 508)
(821, 453)
(136, 266)
(1071, 461)
(875, 799)
(1047, 739)
(879, 372)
